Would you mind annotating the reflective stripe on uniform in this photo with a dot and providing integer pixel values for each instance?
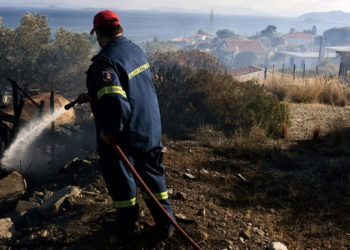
(127, 203)
(159, 196)
(138, 70)
(110, 90)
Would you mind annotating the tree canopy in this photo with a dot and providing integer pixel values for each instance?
(274, 38)
(269, 31)
(337, 36)
(29, 55)
(225, 33)
(313, 31)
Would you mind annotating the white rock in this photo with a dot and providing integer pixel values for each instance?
(189, 176)
(277, 246)
(44, 233)
(204, 171)
(7, 229)
(180, 216)
(86, 163)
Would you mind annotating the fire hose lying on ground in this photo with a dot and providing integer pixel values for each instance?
(144, 186)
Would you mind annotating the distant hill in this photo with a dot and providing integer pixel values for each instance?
(335, 16)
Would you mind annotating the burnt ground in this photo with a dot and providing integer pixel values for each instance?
(294, 192)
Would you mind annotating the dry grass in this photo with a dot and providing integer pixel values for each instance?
(311, 90)
(285, 130)
(250, 142)
(241, 142)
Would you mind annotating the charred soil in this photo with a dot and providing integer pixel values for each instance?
(294, 192)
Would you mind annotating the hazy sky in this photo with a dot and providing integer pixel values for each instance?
(275, 7)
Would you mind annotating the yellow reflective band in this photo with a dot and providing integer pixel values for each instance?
(127, 203)
(110, 90)
(138, 70)
(159, 196)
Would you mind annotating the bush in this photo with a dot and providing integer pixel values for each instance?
(190, 99)
(193, 59)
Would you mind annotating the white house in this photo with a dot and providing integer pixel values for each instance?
(300, 38)
(310, 59)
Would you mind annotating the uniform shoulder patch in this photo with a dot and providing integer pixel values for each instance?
(108, 76)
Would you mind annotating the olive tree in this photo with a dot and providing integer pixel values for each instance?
(30, 55)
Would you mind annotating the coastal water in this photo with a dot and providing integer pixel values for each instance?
(144, 25)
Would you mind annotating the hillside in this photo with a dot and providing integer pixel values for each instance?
(292, 191)
(335, 16)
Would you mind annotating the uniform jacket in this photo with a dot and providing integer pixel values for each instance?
(123, 97)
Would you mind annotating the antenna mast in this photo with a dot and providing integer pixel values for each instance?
(211, 25)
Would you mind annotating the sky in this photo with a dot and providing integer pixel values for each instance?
(246, 7)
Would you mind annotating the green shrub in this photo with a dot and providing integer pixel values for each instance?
(190, 99)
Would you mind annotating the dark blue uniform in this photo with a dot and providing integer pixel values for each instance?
(125, 106)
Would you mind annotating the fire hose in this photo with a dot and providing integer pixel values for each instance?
(145, 187)
(143, 184)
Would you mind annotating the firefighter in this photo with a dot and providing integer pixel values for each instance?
(125, 107)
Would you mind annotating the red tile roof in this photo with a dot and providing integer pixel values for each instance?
(253, 45)
(245, 70)
(250, 69)
(299, 35)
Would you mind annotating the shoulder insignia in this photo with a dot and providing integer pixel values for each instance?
(108, 76)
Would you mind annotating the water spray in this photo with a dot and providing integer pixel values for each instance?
(12, 156)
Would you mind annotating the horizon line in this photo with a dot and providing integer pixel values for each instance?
(167, 10)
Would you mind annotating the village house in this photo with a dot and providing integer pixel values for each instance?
(344, 68)
(182, 42)
(309, 59)
(229, 48)
(300, 38)
(335, 49)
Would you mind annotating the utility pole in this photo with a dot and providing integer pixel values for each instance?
(320, 52)
(294, 72)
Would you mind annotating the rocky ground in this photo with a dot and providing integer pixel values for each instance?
(293, 191)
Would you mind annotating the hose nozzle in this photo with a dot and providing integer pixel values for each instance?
(70, 105)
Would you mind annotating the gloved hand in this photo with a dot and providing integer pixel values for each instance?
(83, 98)
(107, 139)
